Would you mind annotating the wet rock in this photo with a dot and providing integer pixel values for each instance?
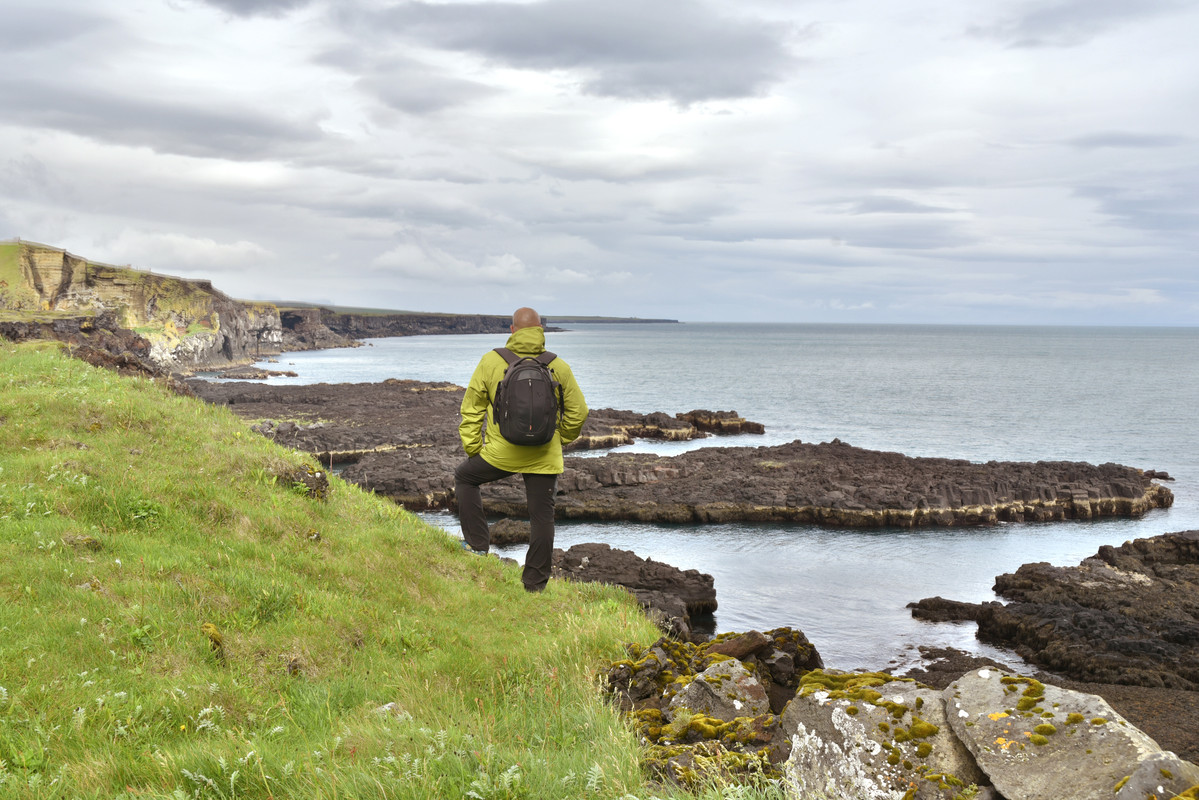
(598, 562)
(249, 373)
(509, 531)
(1128, 615)
(670, 595)
(724, 422)
(400, 439)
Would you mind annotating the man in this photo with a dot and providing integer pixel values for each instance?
(491, 457)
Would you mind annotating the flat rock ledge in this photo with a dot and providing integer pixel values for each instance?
(761, 704)
(837, 485)
(1127, 615)
(399, 438)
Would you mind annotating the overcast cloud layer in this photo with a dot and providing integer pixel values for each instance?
(767, 160)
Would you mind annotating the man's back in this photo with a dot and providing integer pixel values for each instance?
(480, 434)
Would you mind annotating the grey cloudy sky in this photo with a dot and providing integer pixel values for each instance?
(993, 161)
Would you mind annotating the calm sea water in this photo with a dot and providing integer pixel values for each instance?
(980, 393)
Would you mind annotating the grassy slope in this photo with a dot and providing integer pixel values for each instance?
(130, 517)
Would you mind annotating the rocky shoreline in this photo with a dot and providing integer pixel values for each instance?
(763, 703)
(399, 439)
(1127, 615)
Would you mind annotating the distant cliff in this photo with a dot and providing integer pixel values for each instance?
(316, 328)
(46, 292)
(183, 325)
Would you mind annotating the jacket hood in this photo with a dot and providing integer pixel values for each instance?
(527, 342)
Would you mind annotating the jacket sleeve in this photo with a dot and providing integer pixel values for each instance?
(474, 411)
(574, 406)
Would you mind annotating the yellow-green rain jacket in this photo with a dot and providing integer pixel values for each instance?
(476, 407)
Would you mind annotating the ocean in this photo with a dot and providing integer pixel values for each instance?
(1124, 395)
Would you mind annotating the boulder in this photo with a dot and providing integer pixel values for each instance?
(740, 646)
(868, 735)
(667, 611)
(1039, 742)
(509, 531)
(724, 691)
(1160, 775)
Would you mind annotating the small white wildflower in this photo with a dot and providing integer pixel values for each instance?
(118, 562)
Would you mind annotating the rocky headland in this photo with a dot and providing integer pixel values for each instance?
(399, 438)
(160, 324)
(167, 322)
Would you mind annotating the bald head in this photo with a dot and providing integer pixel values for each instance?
(525, 318)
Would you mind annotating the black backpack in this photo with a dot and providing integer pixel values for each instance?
(528, 400)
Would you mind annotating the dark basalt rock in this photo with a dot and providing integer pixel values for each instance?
(509, 531)
(1127, 615)
(400, 438)
(725, 422)
(671, 594)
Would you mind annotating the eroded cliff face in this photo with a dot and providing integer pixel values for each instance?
(189, 324)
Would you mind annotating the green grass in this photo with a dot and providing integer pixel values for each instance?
(364, 654)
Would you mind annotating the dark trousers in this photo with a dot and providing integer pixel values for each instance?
(539, 493)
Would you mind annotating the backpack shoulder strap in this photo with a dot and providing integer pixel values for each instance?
(507, 355)
(546, 357)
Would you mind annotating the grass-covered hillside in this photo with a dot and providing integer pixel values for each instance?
(179, 618)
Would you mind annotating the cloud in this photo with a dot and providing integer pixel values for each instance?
(1169, 204)
(165, 125)
(424, 262)
(419, 90)
(682, 50)
(1126, 139)
(885, 204)
(250, 8)
(178, 253)
(1117, 298)
(1071, 23)
(35, 29)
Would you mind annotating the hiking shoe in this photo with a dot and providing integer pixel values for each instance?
(466, 546)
